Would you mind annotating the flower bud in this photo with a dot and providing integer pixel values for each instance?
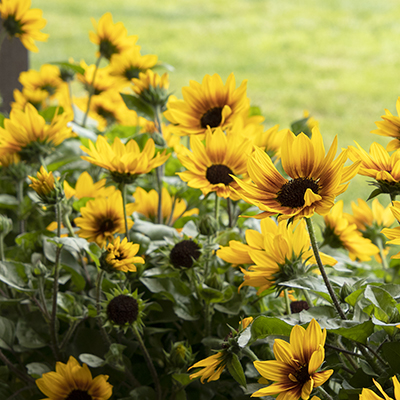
(207, 225)
(6, 225)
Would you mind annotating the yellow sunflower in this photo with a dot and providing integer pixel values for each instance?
(394, 234)
(73, 381)
(146, 203)
(124, 162)
(285, 249)
(315, 179)
(212, 368)
(121, 256)
(85, 187)
(111, 38)
(368, 394)
(173, 141)
(339, 232)
(209, 104)
(210, 168)
(36, 97)
(294, 371)
(43, 185)
(108, 109)
(102, 218)
(130, 63)
(27, 130)
(390, 126)
(23, 22)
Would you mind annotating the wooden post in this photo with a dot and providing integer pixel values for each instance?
(13, 60)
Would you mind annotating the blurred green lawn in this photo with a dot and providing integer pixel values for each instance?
(339, 59)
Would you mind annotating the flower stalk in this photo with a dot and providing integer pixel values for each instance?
(122, 188)
(91, 91)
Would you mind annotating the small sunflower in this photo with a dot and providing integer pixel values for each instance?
(23, 22)
(209, 104)
(315, 179)
(111, 38)
(121, 256)
(27, 133)
(71, 381)
(44, 184)
(339, 232)
(146, 203)
(102, 218)
(390, 126)
(212, 367)
(394, 234)
(124, 162)
(211, 168)
(287, 254)
(123, 310)
(36, 97)
(85, 187)
(295, 369)
(130, 63)
(368, 394)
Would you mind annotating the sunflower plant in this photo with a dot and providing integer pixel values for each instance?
(163, 248)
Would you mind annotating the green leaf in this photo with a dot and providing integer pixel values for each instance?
(183, 379)
(209, 294)
(391, 354)
(265, 326)
(73, 67)
(27, 337)
(154, 231)
(13, 274)
(8, 201)
(7, 333)
(114, 357)
(236, 370)
(136, 104)
(91, 360)
(355, 331)
(78, 280)
(2, 118)
(143, 393)
(374, 193)
(36, 369)
(49, 113)
(383, 302)
(60, 163)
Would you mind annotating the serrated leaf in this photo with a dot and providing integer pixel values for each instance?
(236, 370)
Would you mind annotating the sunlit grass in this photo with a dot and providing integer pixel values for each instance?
(337, 59)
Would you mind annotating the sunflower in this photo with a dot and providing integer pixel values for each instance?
(368, 394)
(209, 104)
(27, 133)
(390, 126)
(124, 162)
(43, 185)
(111, 38)
(314, 179)
(172, 140)
(146, 203)
(73, 381)
(23, 22)
(36, 97)
(85, 187)
(108, 109)
(121, 256)
(295, 369)
(102, 218)
(286, 254)
(211, 168)
(394, 234)
(130, 63)
(339, 232)
(212, 368)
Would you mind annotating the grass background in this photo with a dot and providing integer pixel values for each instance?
(339, 59)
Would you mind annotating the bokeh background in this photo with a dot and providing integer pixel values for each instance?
(338, 59)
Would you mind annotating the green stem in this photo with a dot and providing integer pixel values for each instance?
(325, 393)
(67, 224)
(122, 187)
(216, 215)
(328, 285)
(104, 334)
(385, 265)
(53, 320)
(229, 209)
(43, 300)
(249, 353)
(24, 377)
(2, 258)
(149, 362)
(20, 198)
(207, 319)
(171, 216)
(159, 175)
(69, 333)
(91, 91)
(308, 298)
(287, 302)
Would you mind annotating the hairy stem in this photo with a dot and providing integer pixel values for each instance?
(104, 333)
(20, 198)
(287, 302)
(122, 187)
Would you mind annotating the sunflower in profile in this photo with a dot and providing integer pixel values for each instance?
(146, 203)
(394, 234)
(390, 126)
(341, 233)
(102, 218)
(72, 381)
(130, 63)
(124, 162)
(368, 394)
(36, 97)
(111, 38)
(294, 371)
(315, 179)
(212, 367)
(23, 22)
(286, 254)
(27, 133)
(210, 168)
(209, 104)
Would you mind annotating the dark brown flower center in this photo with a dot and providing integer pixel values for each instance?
(77, 394)
(106, 226)
(107, 49)
(123, 309)
(132, 72)
(183, 254)
(211, 118)
(302, 375)
(298, 306)
(108, 115)
(219, 173)
(292, 192)
(12, 26)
